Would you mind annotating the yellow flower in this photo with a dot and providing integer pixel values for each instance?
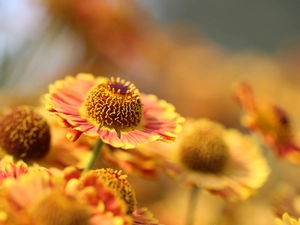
(113, 110)
(286, 220)
(222, 161)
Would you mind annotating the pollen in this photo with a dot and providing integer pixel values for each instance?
(24, 133)
(204, 152)
(115, 104)
(119, 184)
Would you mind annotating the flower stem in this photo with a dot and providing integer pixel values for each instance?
(96, 151)
(192, 205)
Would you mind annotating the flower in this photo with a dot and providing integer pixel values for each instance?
(43, 199)
(111, 109)
(270, 121)
(102, 196)
(286, 220)
(222, 161)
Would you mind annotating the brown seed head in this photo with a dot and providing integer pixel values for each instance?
(24, 133)
(204, 152)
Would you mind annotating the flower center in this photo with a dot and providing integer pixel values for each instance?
(119, 184)
(115, 104)
(56, 208)
(24, 133)
(204, 152)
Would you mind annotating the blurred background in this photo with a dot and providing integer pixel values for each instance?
(183, 51)
(188, 52)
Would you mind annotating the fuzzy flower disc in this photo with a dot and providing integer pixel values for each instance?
(114, 104)
(119, 183)
(24, 133)
(204, 152)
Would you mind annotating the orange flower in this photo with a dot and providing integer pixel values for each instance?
(112, 110)
(270, 121)
(45, 199)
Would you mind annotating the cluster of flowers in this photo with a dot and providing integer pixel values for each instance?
(47, 173)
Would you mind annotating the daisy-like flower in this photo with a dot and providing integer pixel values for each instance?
(29, 134)
(222, 161)
(112, 110)
(102, 196)
(270, 121)
(286, 220)
(43, 199)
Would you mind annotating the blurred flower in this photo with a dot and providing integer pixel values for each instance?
(113, 28)
(222, 161)
(286, 199)
(112, 110)
(270, 121)
(286, 220)
(58, 200)
(30, 134)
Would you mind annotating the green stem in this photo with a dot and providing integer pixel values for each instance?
(192, 205)
(96, 151)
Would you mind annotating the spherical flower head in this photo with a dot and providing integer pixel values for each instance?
(204, 151)
(24, 133)
(119, 183)
(113, 110)
(222, 161)
(286, 220)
